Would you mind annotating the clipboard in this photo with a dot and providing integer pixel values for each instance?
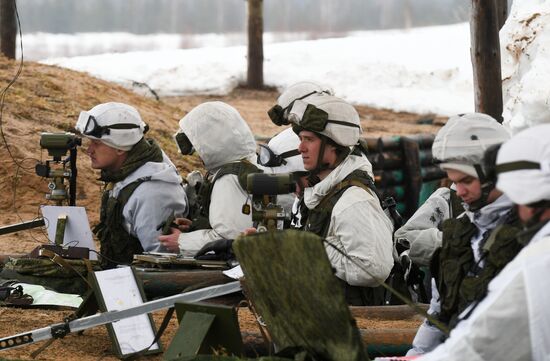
(120, 288)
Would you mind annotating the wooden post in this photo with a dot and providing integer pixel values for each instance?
(485, 55)
(8, 28)
(502, 12)
(255, 78)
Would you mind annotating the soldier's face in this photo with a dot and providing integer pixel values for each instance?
(468, 188)
(525, 213)
(309, 148)
(104, 157)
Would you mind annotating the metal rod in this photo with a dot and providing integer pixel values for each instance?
(61, 329)
(22, 226)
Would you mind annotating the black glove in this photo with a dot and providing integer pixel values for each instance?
(220, 249)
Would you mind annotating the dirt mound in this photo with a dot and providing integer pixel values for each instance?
(48, 99)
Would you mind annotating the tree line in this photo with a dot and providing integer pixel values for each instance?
(207, 16)
(486, 18)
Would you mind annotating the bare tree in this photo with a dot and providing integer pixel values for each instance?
(485, 54)
(502, 12)
(407, 15)
(8, 28)
(255, 76)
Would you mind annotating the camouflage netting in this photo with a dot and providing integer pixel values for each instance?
(44, 272)
(298, 295)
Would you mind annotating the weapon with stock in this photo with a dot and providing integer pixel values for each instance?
(60, 330)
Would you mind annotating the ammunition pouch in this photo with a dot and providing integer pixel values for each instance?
(453, 266)
(501, 247)
(456, 206)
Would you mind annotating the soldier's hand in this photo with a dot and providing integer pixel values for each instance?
(183, 224)
(249, 231)
(170, 241)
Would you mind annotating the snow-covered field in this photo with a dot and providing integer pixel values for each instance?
(422, 70)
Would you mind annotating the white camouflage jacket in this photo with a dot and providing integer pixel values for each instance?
(220, 136)
(512, 322)
(153, 201)
(358, 227)
(421, 233)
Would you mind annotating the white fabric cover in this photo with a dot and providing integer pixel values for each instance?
(219, 134)
(527, 186)
(226, 217)
(462, 141)
(42, 296)
(300, 89)
(337, 109)
(358, 226)
(283, 142)
(110, 114)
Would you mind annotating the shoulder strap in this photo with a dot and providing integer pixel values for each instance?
(319, 218)
(359, 179)
(200, 214)
(241, 169)
(126, 192)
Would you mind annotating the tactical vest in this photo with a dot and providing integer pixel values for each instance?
(318, 221)
(117, 245)
(318, 218)
(460, 281)
(199, 213)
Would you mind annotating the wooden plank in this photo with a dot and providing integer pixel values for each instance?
(395, 312)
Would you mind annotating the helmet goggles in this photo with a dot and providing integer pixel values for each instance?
(279, 115)
(309, 117)
(183, 143)
(87, 124)
(268, 158)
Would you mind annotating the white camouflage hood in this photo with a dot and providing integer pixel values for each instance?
(219, 134)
